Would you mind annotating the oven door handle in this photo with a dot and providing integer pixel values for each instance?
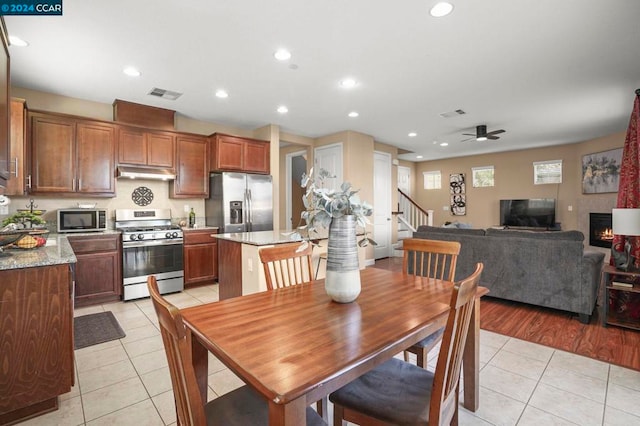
(151, 243)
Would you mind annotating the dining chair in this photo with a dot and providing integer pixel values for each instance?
(286, 264)
(397, 392)
(242, 406)
(433, 259)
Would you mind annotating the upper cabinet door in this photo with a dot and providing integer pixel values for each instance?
(96, 158)
(161, 149)
(5, 145)
(53, 149)
(132, 146)
(229, 152)
(256, 157)
(192, 168)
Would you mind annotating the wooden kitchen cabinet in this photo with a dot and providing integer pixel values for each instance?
(192, 167)
(18, 168)
(36, 331)
(99, 268)
(5, 114)
(71, 156)
(139, 147)
(234, 153)
(200, 256)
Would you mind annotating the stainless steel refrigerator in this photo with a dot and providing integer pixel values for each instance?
(239, 202)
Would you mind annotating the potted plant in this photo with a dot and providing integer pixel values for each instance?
(342, 212)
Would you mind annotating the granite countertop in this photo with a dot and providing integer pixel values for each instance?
(259, 238)
(57, 251)
(198, 228)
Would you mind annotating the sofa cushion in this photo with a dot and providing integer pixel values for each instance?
(537, 235)
(454, 231)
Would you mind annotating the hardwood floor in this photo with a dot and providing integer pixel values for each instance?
(557, 329)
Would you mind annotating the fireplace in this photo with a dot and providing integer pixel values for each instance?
(600, 232)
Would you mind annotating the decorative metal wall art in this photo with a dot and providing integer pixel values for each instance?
(142, 196)
(457, 189)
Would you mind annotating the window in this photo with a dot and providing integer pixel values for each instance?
(432, 180)
(547, 172)
(482, 176)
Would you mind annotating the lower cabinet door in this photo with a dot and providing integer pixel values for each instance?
(97, 279)
(200, 263)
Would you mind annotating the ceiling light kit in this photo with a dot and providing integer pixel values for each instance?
(441, 9)
(282, 55)
(348, 83)
(17, 41)
(132, 72)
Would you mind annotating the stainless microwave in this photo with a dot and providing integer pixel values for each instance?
(82, 220)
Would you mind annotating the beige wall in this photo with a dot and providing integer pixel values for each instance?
(514, 179)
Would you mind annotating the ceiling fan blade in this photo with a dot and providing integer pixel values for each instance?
(469, 139)
(495, 132)
(469, 134)
(492, 137)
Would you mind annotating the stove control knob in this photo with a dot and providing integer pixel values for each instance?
(168, 235)
(132, 237)
(174, 235)
(140, 236)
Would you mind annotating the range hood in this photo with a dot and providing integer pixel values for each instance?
(144, 173)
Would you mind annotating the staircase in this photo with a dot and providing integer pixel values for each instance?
(410, 215)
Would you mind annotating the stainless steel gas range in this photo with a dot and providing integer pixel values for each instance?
(151, 245)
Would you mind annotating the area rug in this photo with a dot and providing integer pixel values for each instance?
(562, 330)
(89, 330)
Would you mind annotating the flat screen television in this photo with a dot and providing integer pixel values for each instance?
(529, 213)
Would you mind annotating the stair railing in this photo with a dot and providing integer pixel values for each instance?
(411, 214)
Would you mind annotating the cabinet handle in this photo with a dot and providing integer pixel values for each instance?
(212, 235)
(79, 184)
(15, 171)
(29, 181)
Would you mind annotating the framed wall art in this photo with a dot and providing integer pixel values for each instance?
(601, 171)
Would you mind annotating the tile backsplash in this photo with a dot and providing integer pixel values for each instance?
(123, 200)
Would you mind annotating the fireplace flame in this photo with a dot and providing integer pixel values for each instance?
(606, 234)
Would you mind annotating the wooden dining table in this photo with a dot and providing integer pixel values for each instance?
(295, 346)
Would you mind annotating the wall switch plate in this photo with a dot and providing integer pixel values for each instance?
(186, 208)
(570, 208)
(250, 265)
(445, 208)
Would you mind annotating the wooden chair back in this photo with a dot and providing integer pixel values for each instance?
(189, 402)
(444, 396)
(286, 264)
(430, 258)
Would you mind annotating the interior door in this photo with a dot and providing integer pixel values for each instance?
(382, 204)
(404, 179)
(329, 157)
(296, 165)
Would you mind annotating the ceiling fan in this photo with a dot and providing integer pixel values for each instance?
(482, 134)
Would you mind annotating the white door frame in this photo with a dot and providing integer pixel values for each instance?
(288, 183)
(384, 248)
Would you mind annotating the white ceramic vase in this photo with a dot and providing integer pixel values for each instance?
(342, 281)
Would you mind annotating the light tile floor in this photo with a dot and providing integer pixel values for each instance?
(126, 382)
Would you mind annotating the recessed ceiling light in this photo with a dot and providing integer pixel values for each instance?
(131, 72)
(222, 94)
(282, 54)
(412, 134)
(283, 109)
(353, 114)
(348, 83)
(441, 9)
(444, 144)
(17, 41)
(418, 156)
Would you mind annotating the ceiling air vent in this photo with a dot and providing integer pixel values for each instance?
(165, 94)
(452, 113)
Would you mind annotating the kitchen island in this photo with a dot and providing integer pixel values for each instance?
(36, 334)
(240, 271)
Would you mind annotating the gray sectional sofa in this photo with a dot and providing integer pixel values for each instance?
(550, 269)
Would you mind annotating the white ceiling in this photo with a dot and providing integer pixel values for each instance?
(547, 71)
